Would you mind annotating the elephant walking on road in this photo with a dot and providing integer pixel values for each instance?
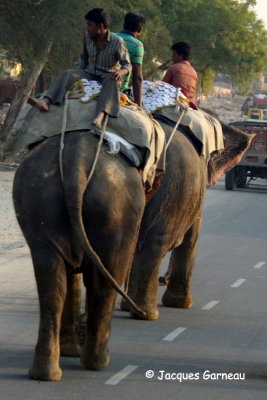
(109, 211)
(73, 227)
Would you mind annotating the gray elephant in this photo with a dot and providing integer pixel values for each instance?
(172, 222)
(73, 227)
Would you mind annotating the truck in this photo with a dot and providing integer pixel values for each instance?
(253, 164)
(255, 107)
(260, 100)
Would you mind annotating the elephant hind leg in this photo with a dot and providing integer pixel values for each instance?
(69, 345)
(94, 351)
(143, 283)
(51, 282)
(180, 270)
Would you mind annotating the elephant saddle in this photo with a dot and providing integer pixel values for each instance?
(139, 137)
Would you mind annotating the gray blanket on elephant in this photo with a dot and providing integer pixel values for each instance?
(224, 146)
(204, 127)
(133, 125)
(222, 152)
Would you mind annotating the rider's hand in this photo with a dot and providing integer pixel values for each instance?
(116, 76)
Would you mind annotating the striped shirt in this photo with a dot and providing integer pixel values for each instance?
(112, 57)
(136, 51)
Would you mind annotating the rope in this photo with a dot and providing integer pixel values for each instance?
(62, 137)
(183, 108)
(98, 148)
(105, 272)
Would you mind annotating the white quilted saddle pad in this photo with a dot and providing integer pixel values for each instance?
(155, 95)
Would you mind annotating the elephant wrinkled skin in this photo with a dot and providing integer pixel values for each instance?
(112, 216)
(171, 221)
(111, 211)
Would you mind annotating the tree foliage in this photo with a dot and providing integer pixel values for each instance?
(29, 26)
(33, 32)
(225, 35)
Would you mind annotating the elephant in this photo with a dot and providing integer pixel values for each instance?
(73, 227)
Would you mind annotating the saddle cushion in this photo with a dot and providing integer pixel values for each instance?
(133, 125)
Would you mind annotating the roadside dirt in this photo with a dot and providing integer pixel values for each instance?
(10, 234)
(227, 109)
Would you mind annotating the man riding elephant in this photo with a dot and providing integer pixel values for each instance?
(104, 227)
(132, 29)
(181, 74)
(104, 58)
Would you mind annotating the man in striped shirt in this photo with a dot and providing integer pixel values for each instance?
(132, 28)
(104, 58)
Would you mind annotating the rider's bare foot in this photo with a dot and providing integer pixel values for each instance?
(43, 105)
(98, 120)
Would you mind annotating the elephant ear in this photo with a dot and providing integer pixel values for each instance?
(236, 143)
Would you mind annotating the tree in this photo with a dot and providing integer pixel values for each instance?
(225, 36)
(48, 33)
(29, 30)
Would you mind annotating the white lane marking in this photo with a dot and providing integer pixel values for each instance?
(259, 264)
(121, 375)
(174, 334)
(238, 283)
(210, 305)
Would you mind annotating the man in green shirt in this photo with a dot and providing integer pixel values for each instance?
(132, 28)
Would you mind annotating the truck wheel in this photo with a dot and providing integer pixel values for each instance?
(241, 182)
(230, 180)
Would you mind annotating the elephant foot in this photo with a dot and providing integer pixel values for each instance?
(185, 301)
(152, 314)
(69, 348)
(94, 362)
(49, 371)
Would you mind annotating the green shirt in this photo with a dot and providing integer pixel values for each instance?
(136, 51)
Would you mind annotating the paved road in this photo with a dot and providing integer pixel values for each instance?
(224, 333)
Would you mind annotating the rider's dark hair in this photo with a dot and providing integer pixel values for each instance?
(133, 22)
(182, 48)
(98, 16)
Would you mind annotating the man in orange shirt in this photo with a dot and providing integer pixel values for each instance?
(181, 74)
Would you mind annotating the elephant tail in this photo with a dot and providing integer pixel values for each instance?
(80, 235)
(74, 200)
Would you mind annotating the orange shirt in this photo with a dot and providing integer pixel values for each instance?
(182, 75)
